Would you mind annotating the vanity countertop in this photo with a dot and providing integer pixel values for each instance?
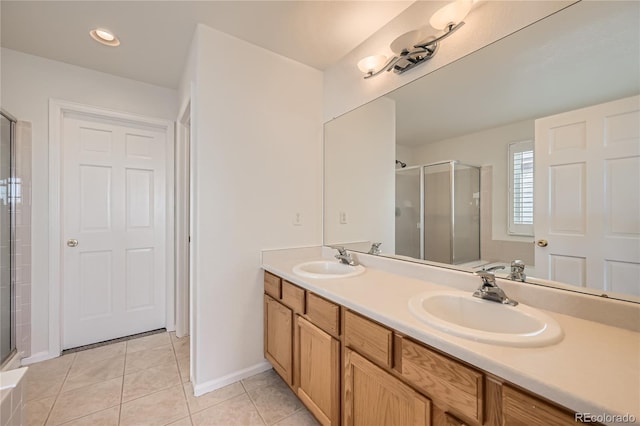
(594, 369)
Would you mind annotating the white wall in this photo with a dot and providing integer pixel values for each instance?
(487, 147)
(346, 89)
(256, 162)
(28, 82)
(360, 176)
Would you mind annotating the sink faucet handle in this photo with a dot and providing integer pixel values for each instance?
(517, 265)
(488, 277)
(517, 271)
(375, 248)
(341, 250)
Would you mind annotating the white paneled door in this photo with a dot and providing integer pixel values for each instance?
(587, 197)
(113, 207)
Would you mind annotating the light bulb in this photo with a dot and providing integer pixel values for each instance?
(105, 37)
(453, 13)
(371, 63)
(406, 41)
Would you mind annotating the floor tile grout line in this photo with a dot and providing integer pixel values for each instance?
(149, 394)
(124, 369)
(57, 395)
(89, 384)
(87, 415)
(148, 349)
(119, 412)
(184, 392)
(303, 408)
(219, 402)
(256, 407)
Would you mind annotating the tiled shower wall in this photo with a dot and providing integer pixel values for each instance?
(22, 257)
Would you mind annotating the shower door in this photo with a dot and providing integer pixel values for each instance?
(408, 212)
(7, 335)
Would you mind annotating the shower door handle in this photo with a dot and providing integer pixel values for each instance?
(72, 243)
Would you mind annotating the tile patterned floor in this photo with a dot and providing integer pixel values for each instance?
(145, 381)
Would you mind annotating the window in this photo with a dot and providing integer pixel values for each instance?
(521, 188)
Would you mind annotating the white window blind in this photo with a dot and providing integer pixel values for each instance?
(521, 188)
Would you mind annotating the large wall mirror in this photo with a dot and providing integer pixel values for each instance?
(526, 149)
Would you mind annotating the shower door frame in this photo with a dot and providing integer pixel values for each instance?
(421, 176)
(12, 233)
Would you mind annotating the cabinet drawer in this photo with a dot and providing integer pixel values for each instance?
(272, 285)
(368, 338)
(449, 383)
(293, 296)
(323, 313)
(521, 409)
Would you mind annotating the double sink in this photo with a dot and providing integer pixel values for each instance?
(459, 313)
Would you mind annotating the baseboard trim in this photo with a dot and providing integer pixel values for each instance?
(211, 385)
(38, 357)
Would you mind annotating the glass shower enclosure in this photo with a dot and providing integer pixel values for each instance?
(7, 287)
(438, 212)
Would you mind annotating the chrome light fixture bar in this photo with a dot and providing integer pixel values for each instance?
(421, 52)
(448, 18)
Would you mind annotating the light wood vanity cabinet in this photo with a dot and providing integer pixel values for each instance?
(318, 384)
(299, 342)
(350, 370)
(374, 397)
(278, 337)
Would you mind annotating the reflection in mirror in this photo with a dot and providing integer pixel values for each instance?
(527, 149)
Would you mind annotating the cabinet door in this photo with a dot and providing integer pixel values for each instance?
(278, 334)
(374, 397)
(319, 372)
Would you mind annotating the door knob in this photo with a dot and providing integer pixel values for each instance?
(72, 243)
(542, 243)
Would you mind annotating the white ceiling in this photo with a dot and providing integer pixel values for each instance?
(155, 35)
(587, 54)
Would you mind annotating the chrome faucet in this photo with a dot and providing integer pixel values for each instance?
(494, 268)
(517, 271)
(489, 290)
(375, 248)
(345, 257)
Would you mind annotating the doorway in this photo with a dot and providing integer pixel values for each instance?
(183, 223)
(111, 232)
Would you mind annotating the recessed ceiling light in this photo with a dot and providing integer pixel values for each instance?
(105, 37)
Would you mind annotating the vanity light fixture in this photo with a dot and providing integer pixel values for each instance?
(105, 37)
(420, 48)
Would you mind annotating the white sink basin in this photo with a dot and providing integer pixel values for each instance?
(463, 315)
(327, 269)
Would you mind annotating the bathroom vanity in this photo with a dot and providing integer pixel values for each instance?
(353, 353)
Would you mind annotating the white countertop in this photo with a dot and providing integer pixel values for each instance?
(594, 369)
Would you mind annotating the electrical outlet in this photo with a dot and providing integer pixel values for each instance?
(343, 218)
(297, 219)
